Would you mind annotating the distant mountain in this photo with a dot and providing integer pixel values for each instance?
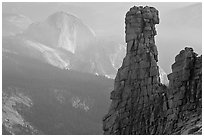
(40, 98)
(64, 41)
(61, 30)
(14, 23)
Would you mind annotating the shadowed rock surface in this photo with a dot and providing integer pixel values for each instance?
(140, 103)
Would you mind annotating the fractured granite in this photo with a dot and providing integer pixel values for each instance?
(140, 103)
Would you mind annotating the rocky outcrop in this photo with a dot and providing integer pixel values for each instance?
(185, 94)
(140, 103)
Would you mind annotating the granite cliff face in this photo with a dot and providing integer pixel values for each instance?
(140, 103)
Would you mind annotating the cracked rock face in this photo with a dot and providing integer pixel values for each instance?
(140, 103)
(185, 93)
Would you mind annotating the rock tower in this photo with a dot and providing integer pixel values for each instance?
(140, 103)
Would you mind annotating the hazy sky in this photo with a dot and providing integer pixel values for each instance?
(96, 15)
(107, 19)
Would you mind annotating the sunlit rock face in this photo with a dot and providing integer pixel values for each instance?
(141, 104)
(117, 55)
(61, 30)
(50, 55)
(163, 77)
(30, 49)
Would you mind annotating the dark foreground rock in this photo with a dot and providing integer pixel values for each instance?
(140, 103)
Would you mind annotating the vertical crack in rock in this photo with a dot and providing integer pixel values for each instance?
(140, 103)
